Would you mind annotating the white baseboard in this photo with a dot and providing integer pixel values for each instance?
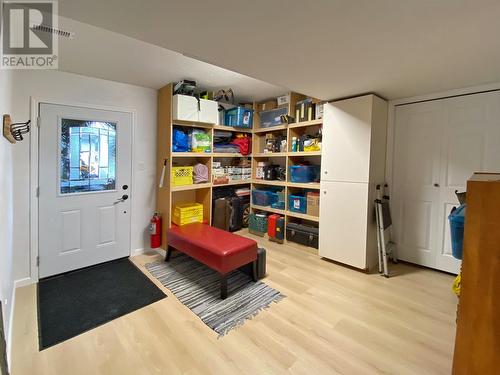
(23, 282)
(11, 306)
(17, 284)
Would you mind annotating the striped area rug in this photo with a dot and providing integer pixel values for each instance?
(198, 287)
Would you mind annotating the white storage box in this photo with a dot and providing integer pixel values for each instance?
(185, 107)
(209, 111)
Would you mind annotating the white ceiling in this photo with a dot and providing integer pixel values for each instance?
(100, 53)
(324, 48)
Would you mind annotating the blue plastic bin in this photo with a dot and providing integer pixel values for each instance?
(279, 205)
(239, 117)
(457, 221)
(304, 173)
(297, 203)
(264, 197)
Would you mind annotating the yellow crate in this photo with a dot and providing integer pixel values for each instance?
(182, 176)
(187, 213)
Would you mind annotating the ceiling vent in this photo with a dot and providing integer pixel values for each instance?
(52, 30)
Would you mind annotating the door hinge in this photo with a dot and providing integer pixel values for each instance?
(38, 121)
(38, 261)
(38, 191)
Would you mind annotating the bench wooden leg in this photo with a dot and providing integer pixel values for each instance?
(169, 253)
(255, 275)
(223, 286)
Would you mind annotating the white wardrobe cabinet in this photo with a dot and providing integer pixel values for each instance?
(353, 163)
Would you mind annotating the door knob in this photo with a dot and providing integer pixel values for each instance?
(122, 199)
(436, 185)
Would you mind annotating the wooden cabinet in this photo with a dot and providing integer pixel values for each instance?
(477, 344)
(353, 163)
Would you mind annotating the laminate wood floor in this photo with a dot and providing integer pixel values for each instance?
(334, 321)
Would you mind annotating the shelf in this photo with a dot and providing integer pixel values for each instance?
(270, 154)
(269, 182)
(191, 187)
(303, 216)
(193, 124)
(229, 155)
(305, 153)
(232, 129)
(304, 185)
(270, 129)
(191, 154)
(306, 123)
(236, 182)
(268, 209)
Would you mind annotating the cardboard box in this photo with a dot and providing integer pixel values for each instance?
(266, 106)
(319, 111)
(283, 100)
(313, 203)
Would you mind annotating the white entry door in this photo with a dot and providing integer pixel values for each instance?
(84, 187)
(438, 146)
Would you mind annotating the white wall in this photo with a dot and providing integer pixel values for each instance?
(66, 87)
(6, 206)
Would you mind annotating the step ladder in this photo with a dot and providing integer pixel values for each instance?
(386, 248)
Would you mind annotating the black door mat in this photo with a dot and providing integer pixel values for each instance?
(72, 303)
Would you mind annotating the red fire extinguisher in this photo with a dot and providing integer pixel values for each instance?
(155, 230)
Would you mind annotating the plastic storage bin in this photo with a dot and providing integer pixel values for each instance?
(188, 213)
(257, 224)
(280, 205)
(304, 173)
(182, 176)
(188, 108)
(272, 117)
(239, 117)
(264, 197)
(297, 203)
(457, 221)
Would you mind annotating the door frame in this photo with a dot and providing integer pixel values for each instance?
(391, 119)
(34, 168)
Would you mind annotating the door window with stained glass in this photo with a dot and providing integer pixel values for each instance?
(88, 156)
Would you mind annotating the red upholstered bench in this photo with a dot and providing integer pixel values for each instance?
(220, 250)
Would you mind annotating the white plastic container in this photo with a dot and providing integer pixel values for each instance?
(185, 107)
(209, 111)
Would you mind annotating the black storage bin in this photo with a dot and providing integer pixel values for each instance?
(303, 234)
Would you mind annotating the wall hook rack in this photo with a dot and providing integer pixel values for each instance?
(14, 131)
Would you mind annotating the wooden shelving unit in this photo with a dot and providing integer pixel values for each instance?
(308, 185)
(193, 124)
(285, 159)
(168, 196)
(304, 153)
(228, 155)
(232, 129)
(302, 216)
(270, 154)
(191, 187)
(232, 183)
(267, 209)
